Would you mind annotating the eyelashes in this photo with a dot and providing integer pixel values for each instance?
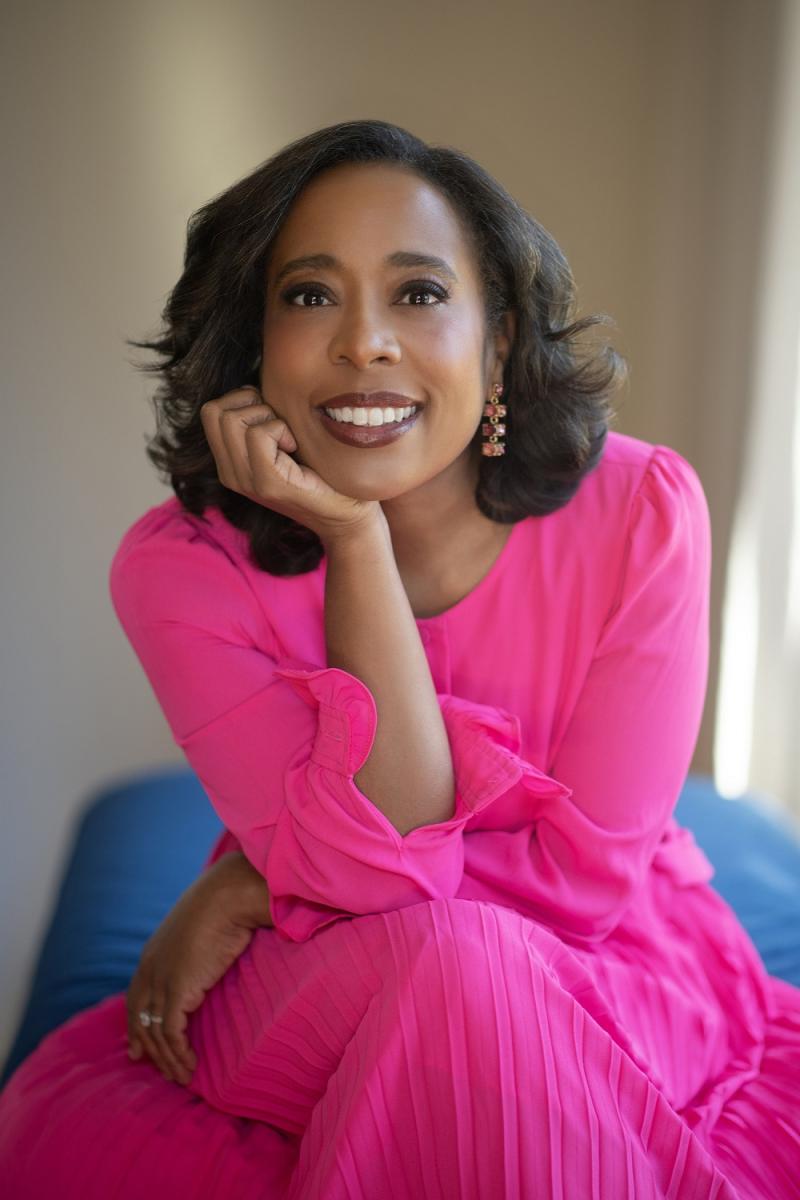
(417, 286)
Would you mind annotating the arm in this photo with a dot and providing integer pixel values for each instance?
(370, 632)
(277, 742)
(626, 749)
(241, 892)
(206, 930)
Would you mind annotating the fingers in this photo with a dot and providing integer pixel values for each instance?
(226, 422)
(168, 1065)
(235, 425)
(174, 1032)
(140, 1036)
(229, 462)
(252, 436)
(167, 1062)
(139, 1041)
(153, 1038)
(146, 1034)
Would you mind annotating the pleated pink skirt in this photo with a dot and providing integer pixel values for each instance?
(451, 1050)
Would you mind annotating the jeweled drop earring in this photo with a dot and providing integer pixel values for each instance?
(494, 429)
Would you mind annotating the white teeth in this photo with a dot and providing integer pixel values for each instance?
(370, 416)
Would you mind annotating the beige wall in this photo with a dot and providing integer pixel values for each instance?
(632, 129)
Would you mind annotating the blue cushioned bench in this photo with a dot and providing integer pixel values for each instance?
(140, 842)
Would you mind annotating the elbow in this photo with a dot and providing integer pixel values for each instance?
(409, 805)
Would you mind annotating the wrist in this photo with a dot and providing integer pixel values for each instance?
(241, 892)
(372, 531)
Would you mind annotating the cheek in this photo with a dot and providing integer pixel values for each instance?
(280, 336)
(452, 344)
(288, 353)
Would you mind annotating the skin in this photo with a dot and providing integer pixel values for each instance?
(401, 529)
(360, 332)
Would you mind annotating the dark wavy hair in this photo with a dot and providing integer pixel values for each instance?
(559, 400)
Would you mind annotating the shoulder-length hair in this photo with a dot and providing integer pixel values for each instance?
(559, 401)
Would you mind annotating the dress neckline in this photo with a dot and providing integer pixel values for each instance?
(483, 584)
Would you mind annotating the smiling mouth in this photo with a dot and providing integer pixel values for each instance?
(367, 436)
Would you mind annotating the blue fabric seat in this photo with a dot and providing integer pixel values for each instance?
(141, 841)
(756, 857)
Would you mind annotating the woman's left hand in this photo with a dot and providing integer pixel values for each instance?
(198, 940)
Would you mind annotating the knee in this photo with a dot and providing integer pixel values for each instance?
(476, 921)
(474, 936)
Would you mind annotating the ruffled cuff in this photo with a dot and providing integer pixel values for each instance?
(347, 713)
(484, 740)
(334, 852)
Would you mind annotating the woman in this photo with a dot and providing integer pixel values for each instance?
(438, 658)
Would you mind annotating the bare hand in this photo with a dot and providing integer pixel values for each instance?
(251, 447)
(193, 947)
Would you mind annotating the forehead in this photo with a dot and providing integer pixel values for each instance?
(365, 211)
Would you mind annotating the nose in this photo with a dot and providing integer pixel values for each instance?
(364, 335)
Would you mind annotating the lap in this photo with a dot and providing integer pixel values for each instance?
(424, 1005)
(274, 1030)
(80, 1119)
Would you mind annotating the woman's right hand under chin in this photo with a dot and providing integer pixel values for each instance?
(252, 449)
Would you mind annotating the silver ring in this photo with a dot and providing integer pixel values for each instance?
(147, 1019)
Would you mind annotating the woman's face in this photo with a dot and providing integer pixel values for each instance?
(362, 323)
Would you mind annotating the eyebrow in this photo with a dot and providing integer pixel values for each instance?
(400, 258)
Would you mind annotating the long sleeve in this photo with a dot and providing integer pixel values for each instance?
(275, 742)
(627, 748)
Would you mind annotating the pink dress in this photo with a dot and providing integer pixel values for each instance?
(541, 997)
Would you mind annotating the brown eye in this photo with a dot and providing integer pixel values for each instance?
(425, 287)
(418, 287)
(302, 290)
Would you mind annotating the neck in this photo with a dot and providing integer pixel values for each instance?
(430, 523)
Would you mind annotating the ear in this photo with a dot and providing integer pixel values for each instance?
(504, 337)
